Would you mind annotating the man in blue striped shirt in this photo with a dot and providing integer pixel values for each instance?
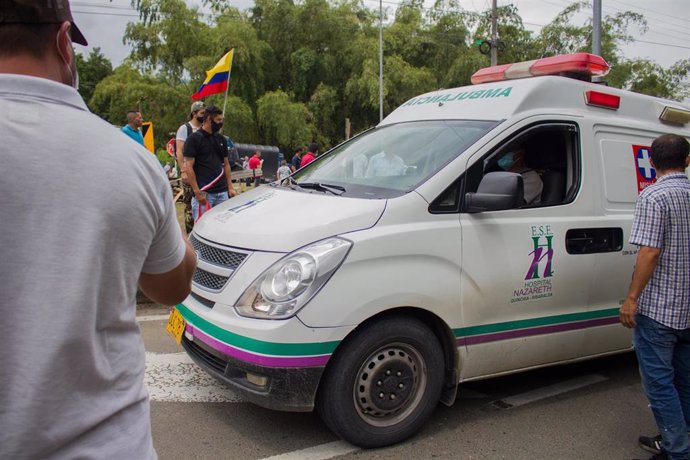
(658, 300)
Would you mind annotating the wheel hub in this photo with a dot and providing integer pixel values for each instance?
(387, 383)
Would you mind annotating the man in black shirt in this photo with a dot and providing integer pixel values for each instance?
(206, 159)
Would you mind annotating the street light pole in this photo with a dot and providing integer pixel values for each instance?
(596, 28)
(380, 60)
(494, 34)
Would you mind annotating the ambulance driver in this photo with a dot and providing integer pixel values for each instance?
(514, 161)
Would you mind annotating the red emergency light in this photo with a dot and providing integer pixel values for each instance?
(579, 64)
(599, 99)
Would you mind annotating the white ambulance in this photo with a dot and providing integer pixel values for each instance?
(475, 232)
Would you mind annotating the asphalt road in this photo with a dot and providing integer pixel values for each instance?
(591, 410)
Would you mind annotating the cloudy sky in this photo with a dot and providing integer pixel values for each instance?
(667, 40)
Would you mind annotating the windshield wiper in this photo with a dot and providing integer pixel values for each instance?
(334, 189)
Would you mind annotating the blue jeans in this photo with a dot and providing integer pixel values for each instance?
(213, 200)
(664, 358)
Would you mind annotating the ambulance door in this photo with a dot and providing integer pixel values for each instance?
(524, 297)
(624, 169)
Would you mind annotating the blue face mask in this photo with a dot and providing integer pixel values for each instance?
(506, 161)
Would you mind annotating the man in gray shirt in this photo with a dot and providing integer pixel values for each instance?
(72, 254)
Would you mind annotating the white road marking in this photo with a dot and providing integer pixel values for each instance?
(549, 391)
(174, 377)
(320, 452)
(153, 318)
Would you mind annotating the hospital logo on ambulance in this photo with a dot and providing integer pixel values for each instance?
(646, 174)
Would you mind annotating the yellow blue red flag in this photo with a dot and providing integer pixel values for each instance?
(216, 78)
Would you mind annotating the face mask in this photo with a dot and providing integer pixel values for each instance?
(72, 70)
(200, 119)
(506, 161)
(215, 127)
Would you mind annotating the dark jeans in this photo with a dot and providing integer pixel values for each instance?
(664, 358)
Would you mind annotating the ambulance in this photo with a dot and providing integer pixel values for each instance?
(408, 260)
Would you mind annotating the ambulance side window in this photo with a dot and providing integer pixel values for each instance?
(547, 155)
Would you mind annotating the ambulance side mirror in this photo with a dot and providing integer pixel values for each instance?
(497, 191)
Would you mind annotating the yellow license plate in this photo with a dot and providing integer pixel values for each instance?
(176, 325)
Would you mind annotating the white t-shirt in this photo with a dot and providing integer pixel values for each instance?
(75, 238)
(181, 134)
(385, 164)
(283, 172)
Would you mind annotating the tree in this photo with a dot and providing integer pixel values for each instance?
(126, 89)
(327, 112)
(92, 69)
(283, 122)
(168, 34)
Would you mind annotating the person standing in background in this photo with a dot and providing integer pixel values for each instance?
(133, 126)
(310, 155)
(255, 162)
(296, 159)
(206, 159)
(196, 117)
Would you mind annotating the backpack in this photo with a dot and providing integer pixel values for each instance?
(173, 140)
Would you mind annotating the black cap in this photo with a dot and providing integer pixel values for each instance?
(39, 12)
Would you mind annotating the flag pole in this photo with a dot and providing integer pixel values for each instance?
(227, 87)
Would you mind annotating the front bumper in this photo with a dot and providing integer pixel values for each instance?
(280, 388)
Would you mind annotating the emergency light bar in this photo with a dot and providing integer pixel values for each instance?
(581, 64)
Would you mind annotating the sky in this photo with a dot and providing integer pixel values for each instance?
(667, 40)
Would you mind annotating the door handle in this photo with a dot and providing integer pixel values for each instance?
(593, 240)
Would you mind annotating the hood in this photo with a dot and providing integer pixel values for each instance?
(280, 220)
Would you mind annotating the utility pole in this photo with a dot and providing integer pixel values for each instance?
(380, 60)
(596, 28)
(494, 34)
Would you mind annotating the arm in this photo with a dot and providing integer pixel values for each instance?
(174, 286)
(646, 263)
(179, 148)
(231, 188)
(191, 180)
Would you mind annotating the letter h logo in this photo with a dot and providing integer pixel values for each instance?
(538, 254)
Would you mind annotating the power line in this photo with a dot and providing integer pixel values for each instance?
(655, 23)
(652, 11)
(663, 44)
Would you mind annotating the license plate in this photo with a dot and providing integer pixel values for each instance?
(176, 325)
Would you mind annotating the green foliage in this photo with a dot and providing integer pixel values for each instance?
(92, 69)
(126, 89)
(164, 157)
(302, 67)
(282, 122)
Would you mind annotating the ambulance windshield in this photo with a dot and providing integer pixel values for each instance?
(389, 161)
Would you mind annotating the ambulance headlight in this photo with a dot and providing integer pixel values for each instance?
(287, 286)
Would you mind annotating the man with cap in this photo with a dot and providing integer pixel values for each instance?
(196, 118)
(72, 359)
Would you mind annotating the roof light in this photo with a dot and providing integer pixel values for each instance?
(675, 115)
(607, 101)
(584, 64)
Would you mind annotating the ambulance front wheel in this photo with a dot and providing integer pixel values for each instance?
(383, 383)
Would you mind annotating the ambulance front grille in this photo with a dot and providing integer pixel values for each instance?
(209, 280)
(217, 256)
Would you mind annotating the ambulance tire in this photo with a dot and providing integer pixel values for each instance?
(375, 392)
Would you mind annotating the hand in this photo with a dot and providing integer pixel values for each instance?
(200, 197)
(232, 192)
(627, 313)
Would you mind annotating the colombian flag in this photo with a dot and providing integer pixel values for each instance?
(216, 78)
